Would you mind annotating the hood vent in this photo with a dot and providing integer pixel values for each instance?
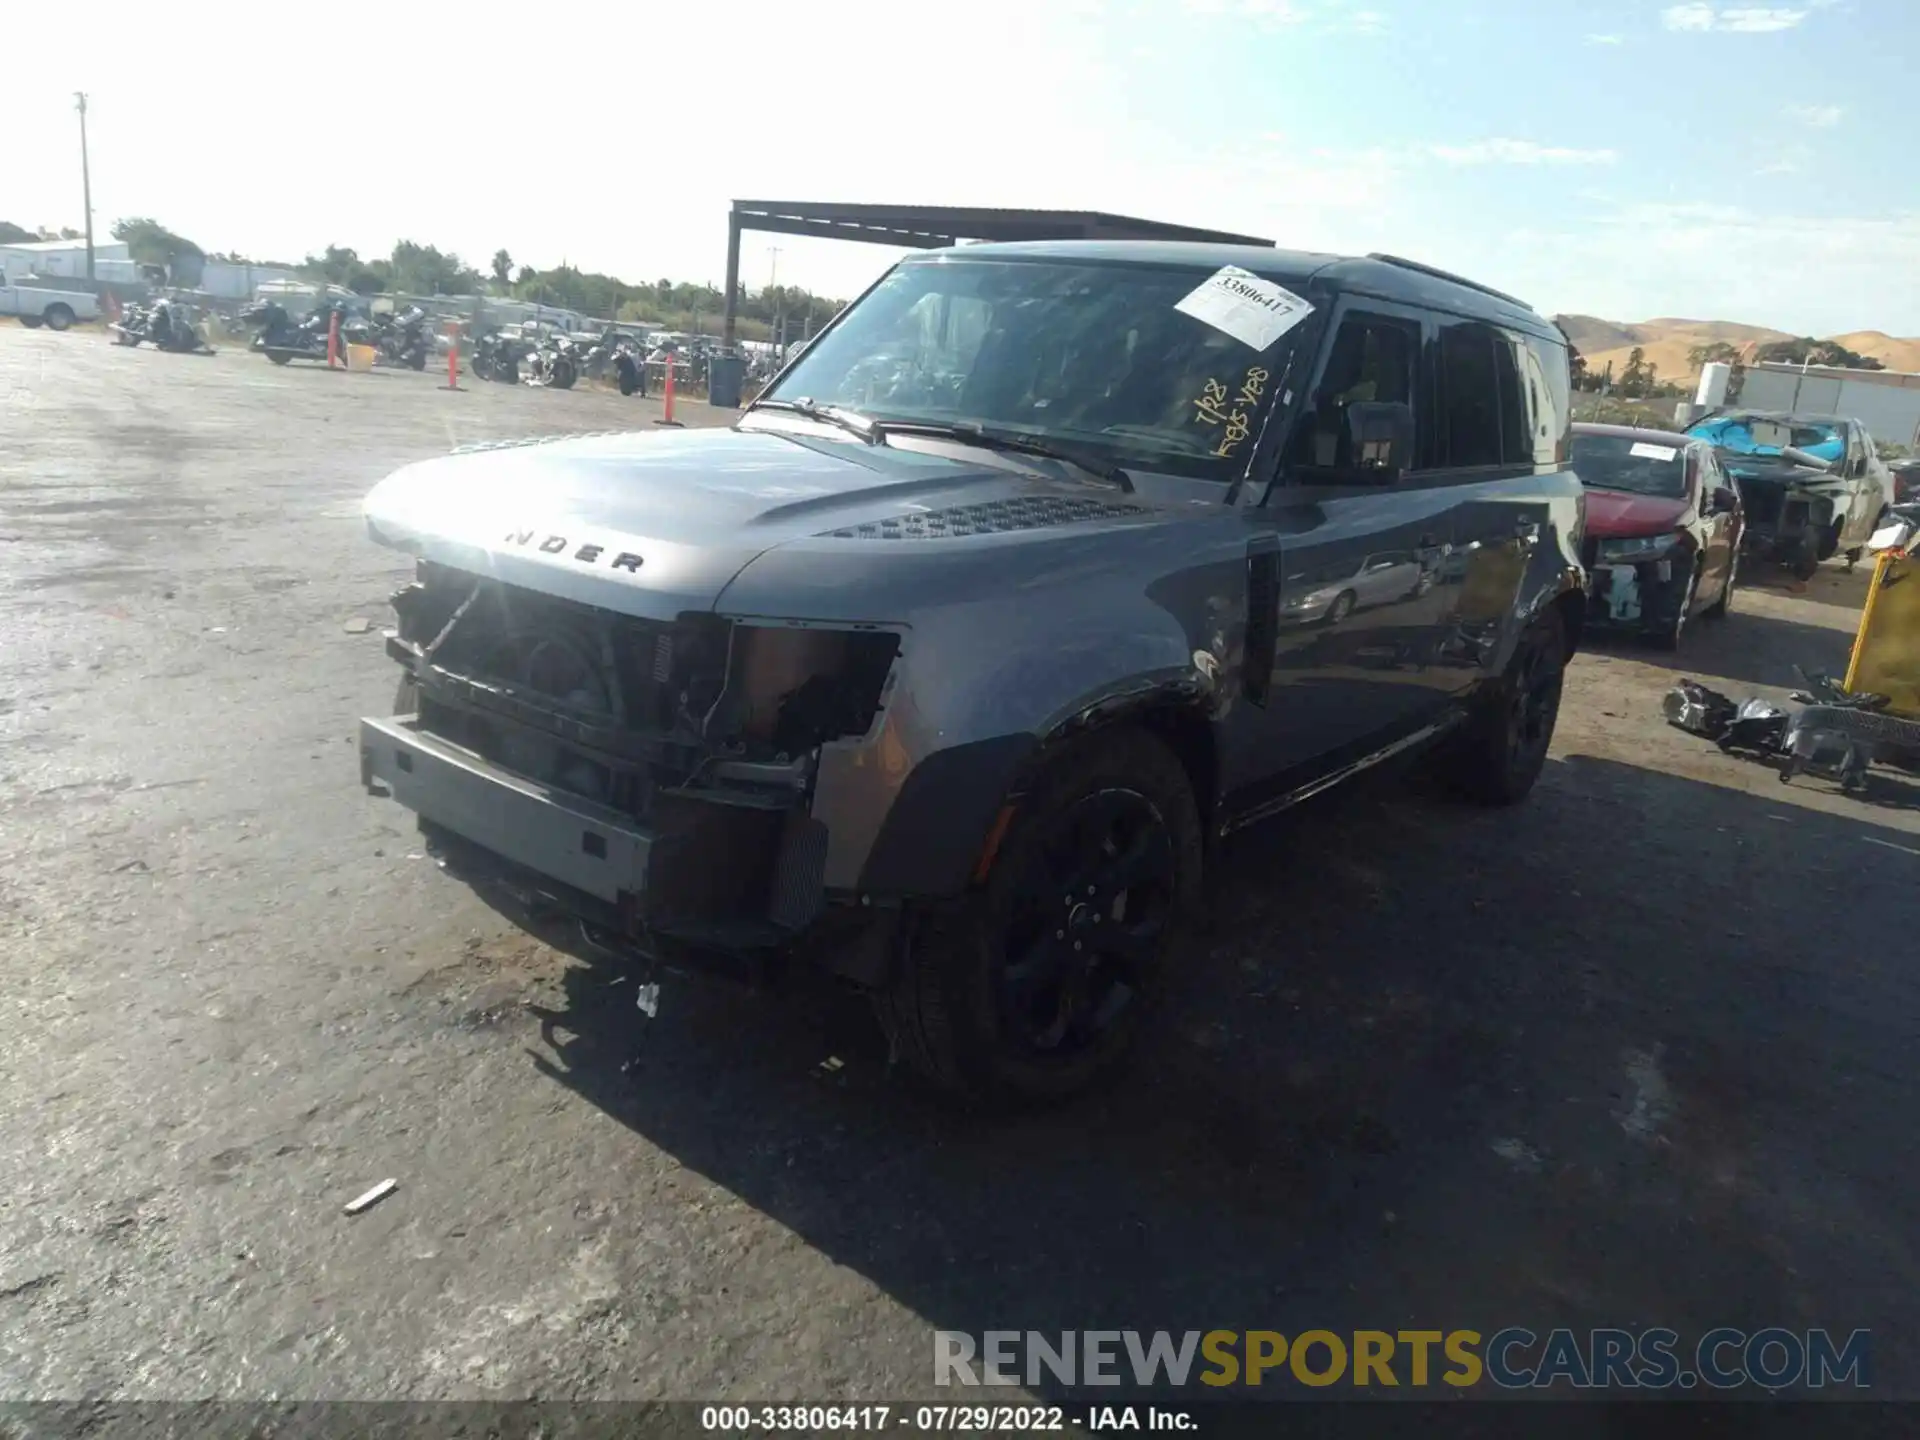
(993, 517)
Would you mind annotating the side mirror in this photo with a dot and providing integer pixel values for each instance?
(1723, 501)
(1379, 438)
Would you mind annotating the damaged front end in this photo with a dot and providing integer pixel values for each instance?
(1792, 511)
(652, 779)
(1640, 583)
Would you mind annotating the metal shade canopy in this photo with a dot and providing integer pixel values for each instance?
(930, 227)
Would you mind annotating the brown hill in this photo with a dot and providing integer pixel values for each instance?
(1665, 343)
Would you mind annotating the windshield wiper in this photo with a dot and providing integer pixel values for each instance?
(974, 434)
(851, 421)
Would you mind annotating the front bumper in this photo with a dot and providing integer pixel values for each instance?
(1642, 595)
(697, 879)
(595, 851)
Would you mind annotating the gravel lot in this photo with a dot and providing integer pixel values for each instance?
(1640, 1053)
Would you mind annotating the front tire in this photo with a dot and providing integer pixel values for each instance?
(1342, 607)
(32, 322)
(1502, 748)
(1035, 985)
(1719, 609)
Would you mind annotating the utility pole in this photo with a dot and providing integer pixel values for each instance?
(779, 310)
(86, 178)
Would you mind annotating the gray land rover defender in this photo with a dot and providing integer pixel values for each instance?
(947, 664)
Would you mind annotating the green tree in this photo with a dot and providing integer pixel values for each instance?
(1809, 351)
(1715, 352)
(12, 234)
(424, 270)
(1638, 379)
(502, 268)
(151, 243)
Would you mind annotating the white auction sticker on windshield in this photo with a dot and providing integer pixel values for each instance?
(1253, 310)
(1643, 451)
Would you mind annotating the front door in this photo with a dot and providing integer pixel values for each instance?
(1720, 527)
(1358, 564)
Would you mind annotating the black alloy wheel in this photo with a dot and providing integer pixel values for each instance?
(1089, 913)
(1499, 753)
(1038, 981)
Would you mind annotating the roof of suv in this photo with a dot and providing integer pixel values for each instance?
(1383, 276)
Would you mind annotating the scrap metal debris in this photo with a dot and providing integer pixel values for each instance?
(373, 1197)
(358, 625)
(648, 999)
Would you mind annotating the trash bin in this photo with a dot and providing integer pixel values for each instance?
(724, 374)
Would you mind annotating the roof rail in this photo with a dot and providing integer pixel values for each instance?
(1450, 276)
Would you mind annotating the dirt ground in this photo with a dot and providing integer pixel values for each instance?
(1640, 1053)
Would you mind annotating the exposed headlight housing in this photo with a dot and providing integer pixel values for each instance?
(1639, 547)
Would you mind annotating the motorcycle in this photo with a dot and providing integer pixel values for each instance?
(554, 364)
(497, 357)
(282, 340)
(399, 340)
(165, 325)
(619, 354)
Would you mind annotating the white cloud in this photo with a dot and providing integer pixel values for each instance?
(1790, 161)
(1606, 40)
(1821, 117)
(1750, 20)
(1518, 152)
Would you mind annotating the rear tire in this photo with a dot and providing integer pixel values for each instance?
(1035, 985)
(59, 317)
(32, 322)
(1500, 751)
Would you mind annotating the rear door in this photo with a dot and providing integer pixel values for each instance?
(1503, 418)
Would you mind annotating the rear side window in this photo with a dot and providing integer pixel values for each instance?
(1470, 383)
(1550, 399)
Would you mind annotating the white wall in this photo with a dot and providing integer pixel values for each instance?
(1891, 413)
(67, 259)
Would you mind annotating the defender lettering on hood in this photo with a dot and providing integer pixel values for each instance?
(588, 553)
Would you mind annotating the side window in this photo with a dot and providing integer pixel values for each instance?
(1549, 391)
(1372, 359)
(1469, 395)
(1516, 418)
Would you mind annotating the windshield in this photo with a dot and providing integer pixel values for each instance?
(1090, 354)
(1768, 435)
(1621, 462)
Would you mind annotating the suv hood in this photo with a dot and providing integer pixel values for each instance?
(657, 524)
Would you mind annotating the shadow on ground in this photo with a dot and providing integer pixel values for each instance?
(1637, 1053)
(1745, 648)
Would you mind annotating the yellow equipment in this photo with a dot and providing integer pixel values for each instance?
(1886, 651)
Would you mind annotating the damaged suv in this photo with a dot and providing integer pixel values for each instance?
(1813, 486)
(947, 664)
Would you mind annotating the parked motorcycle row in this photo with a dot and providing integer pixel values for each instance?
(556, 360)
(166, 324)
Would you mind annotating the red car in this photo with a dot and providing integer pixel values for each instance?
(1663, 529)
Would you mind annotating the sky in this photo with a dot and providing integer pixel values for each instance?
(1623, 158)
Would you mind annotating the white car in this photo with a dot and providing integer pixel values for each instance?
(56, 309)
